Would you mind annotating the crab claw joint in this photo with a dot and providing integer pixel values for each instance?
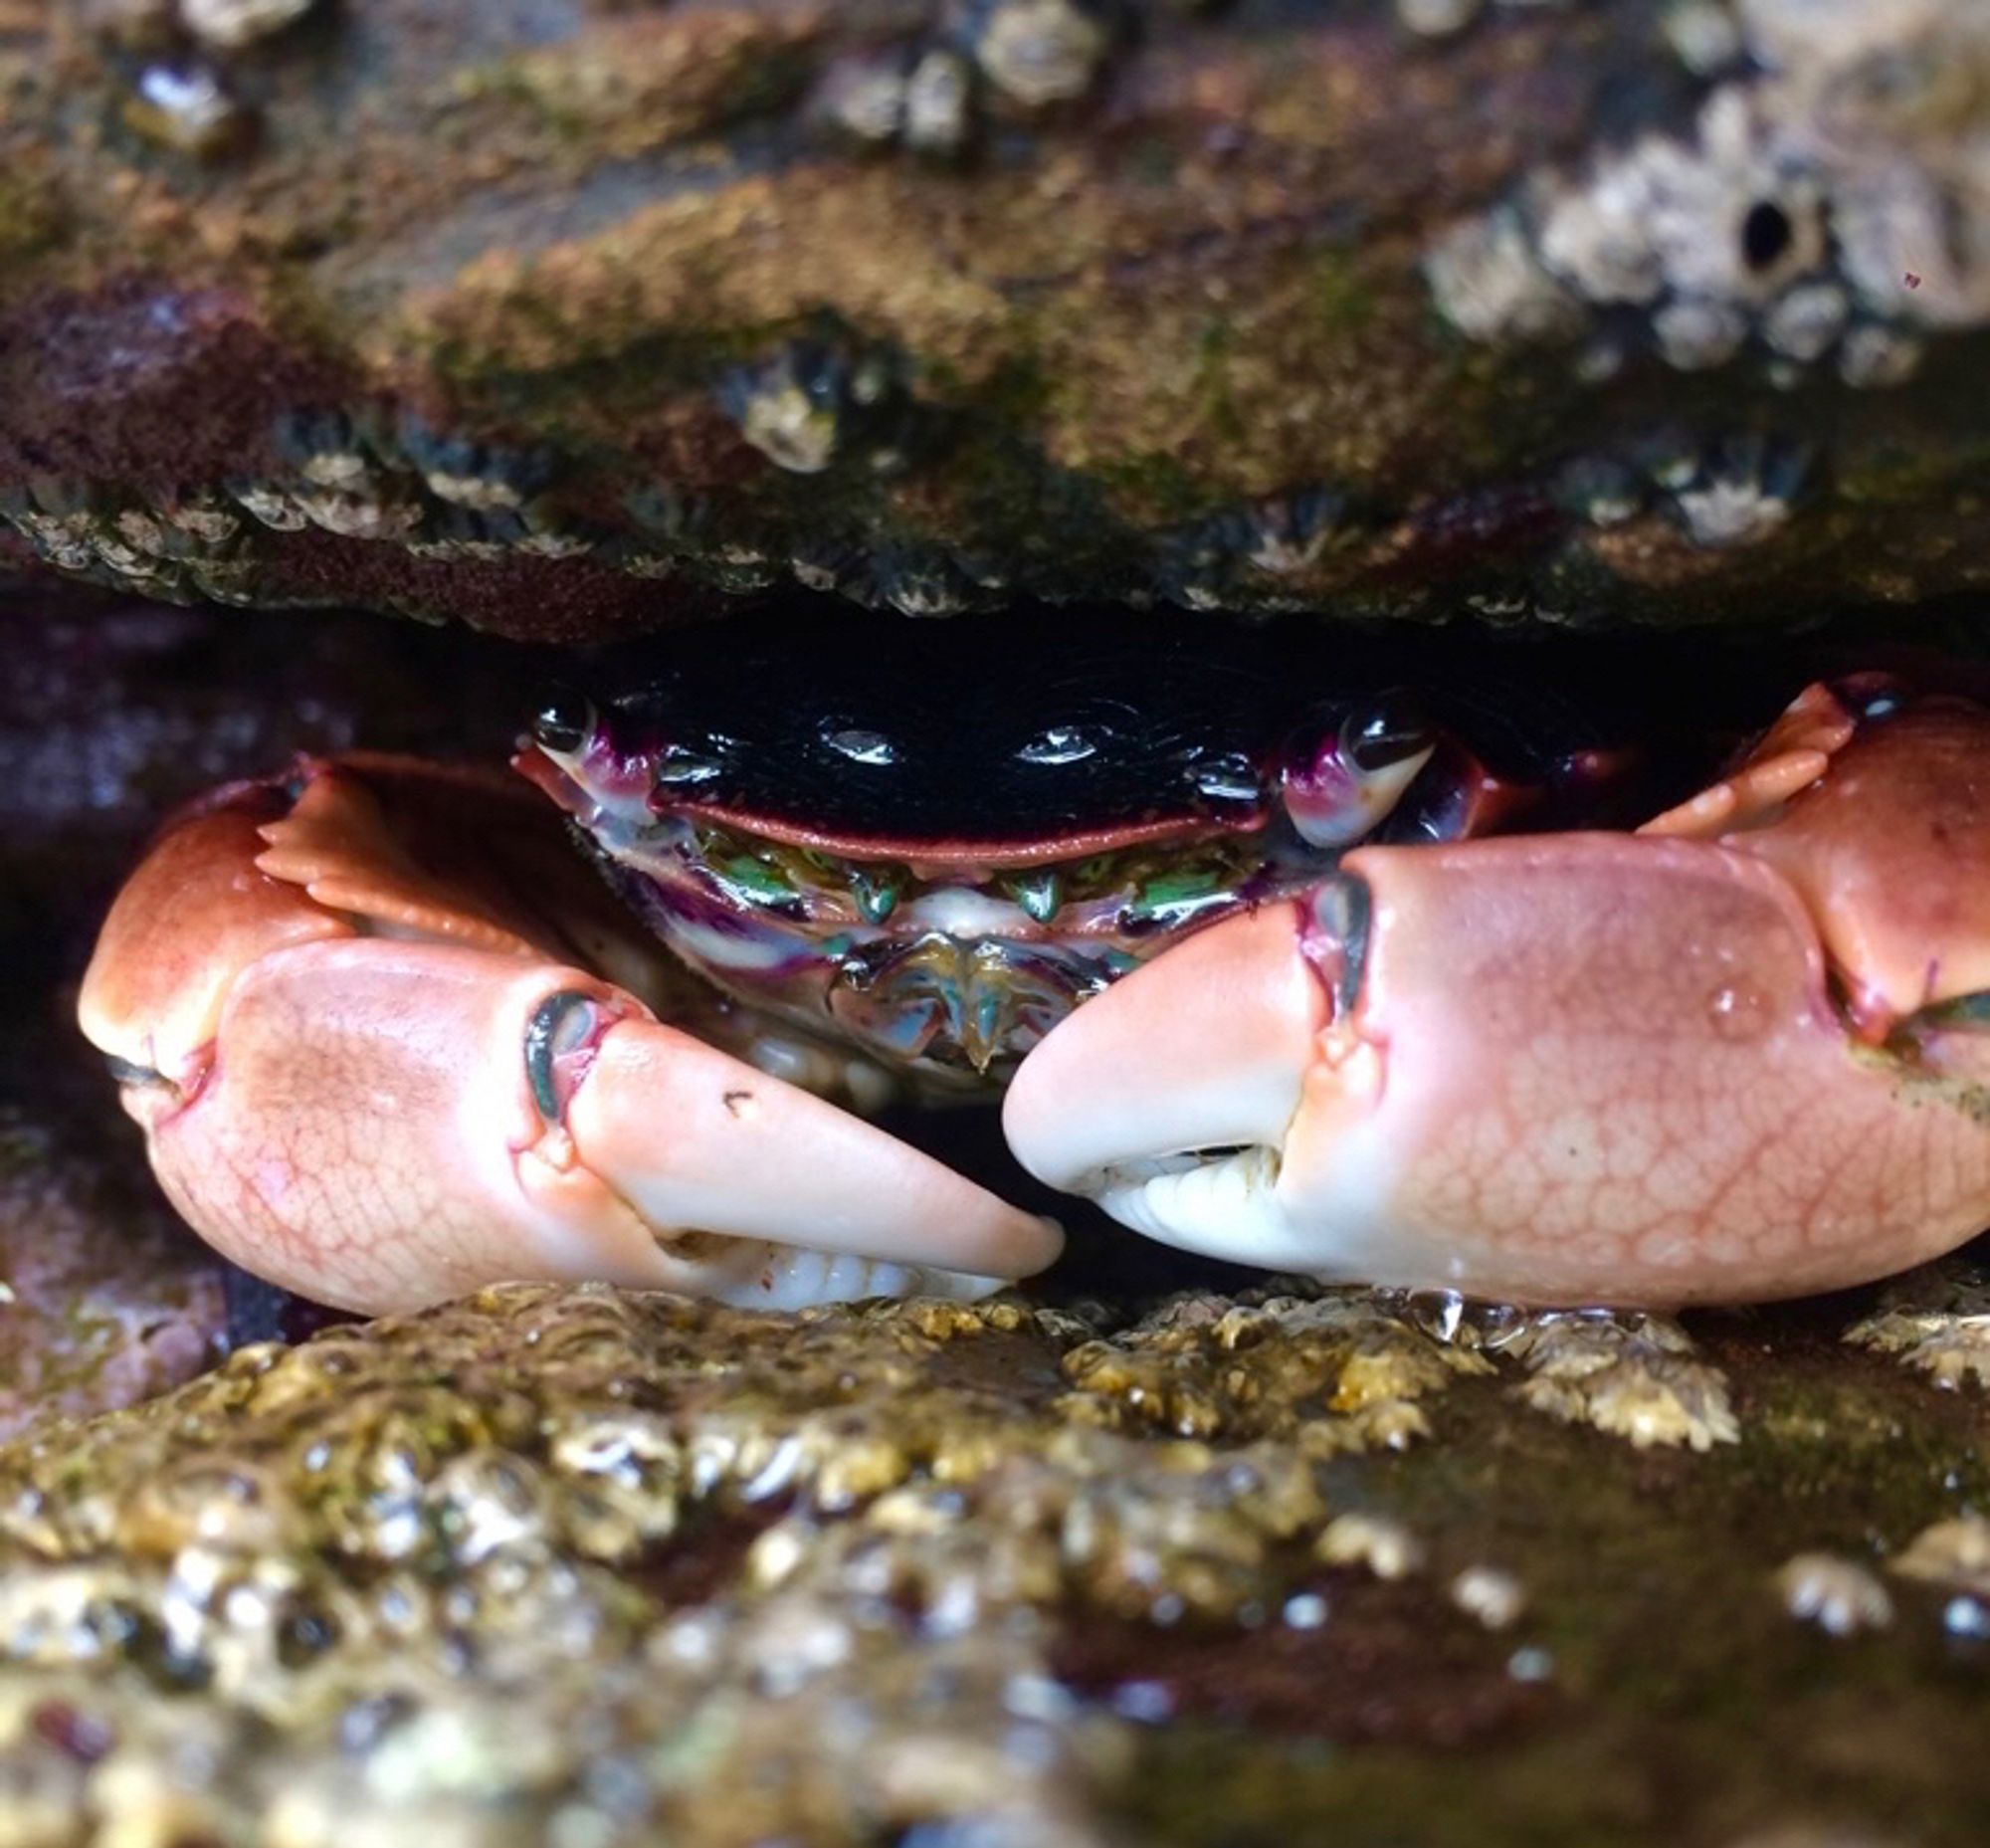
(1584, 1068)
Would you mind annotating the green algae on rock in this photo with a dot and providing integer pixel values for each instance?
(567, 319)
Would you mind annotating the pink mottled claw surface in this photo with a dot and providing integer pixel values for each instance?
(1579, 1067)
(370, 1067)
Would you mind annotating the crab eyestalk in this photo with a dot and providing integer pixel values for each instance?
(1338, 789)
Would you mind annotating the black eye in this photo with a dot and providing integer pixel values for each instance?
(1392, 729)
(564, 721)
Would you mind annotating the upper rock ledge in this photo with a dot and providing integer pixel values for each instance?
(563, 316)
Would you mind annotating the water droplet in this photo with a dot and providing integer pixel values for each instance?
(1225, 776)
(1738, 1012)
(1147, 1703)
(1307, 1610)
(1060, 744)
(1967, 1617)
(861, 746)
(1439, 1313)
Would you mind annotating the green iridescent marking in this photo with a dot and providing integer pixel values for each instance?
(1179, 886)
(1040, 894)
(752, 875)
(876, 889)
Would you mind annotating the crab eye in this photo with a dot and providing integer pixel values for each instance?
(1389, 734)
(564, 721)
(1340, 789)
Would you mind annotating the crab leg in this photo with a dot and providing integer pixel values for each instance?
(380, 1120)
(1578, 1068)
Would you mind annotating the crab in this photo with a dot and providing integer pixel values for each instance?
(1307, 983)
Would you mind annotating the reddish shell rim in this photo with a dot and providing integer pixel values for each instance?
(1007, 855)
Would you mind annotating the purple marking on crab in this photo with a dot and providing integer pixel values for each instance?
(1340, 791)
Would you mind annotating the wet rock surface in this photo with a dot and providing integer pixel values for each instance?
(565, 321)
(577, 1566)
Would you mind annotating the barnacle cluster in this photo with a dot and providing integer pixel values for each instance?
(573, 1565)
(393, 481)
(1935, 1320)
(1797, 221)
(1840, 1596)
(1638, 1376)
(674, 1541)
(175, 57)
(978, 60)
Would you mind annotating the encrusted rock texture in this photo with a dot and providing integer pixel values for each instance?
(561, 317)
(568, 1565)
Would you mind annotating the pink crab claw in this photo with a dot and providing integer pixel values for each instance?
(369, 1068)
(1586, 1068)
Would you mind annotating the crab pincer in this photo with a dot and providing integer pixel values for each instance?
(1736, 1056)
(365, 1021)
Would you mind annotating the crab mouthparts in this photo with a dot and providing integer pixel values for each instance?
(986, 1000)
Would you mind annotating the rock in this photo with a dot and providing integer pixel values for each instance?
(579, 1565)
(104, 1298)
(554, 323)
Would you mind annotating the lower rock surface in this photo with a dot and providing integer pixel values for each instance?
(573, 1565)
